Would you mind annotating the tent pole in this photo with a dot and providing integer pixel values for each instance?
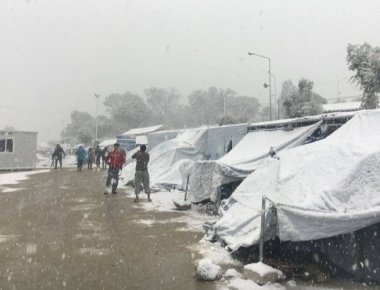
(187, 186)
(261, 250)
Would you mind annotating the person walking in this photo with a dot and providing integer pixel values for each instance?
(90, 158)
(115, 161)
(81, 156)
(98, 156)
(58, 154)
(142, 174)
(105, 153)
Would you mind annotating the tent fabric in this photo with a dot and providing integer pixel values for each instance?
(107, 143)
(164, 155)
(167, 166)
(206, 177)
(319, 190)
(143, 130)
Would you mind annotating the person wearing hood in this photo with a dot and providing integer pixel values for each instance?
(81, 156)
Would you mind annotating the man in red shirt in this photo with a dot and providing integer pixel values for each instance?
(115, 161)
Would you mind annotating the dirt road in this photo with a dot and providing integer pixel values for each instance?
(60, 232)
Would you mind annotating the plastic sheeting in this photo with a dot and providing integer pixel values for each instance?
(319, 190)
(166, 154)
(206, 177)
(170, 160)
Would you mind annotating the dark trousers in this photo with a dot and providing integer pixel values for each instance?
(80, 165)
(56, 162)
(89, 165)
(113, 173)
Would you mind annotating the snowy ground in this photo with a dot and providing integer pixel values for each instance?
(192, 220)
(14, 178)
(45, 161)
(232, 279)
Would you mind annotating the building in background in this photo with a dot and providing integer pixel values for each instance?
(18, 150)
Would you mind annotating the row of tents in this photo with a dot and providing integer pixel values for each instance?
(322, 190)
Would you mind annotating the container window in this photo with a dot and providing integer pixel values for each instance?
(2, 145)
(9, 147)
(6, 145)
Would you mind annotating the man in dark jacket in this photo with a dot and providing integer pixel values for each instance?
(115, 161)
(57, 155)
(98, 155)
(142, 174)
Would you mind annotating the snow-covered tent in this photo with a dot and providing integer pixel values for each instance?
(169, 158)
(156, 138)
(206, 177)
(106, 143)
(317, 191)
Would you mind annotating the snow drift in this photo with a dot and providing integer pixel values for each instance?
(318, 190)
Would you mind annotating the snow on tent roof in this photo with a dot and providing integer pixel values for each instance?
(319, 190)
(207, 176)
(255, 145)
(164, 155)
(107, 142)
(341, 107)
(143, 131)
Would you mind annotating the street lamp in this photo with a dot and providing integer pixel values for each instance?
(97, 96)
(269, 81)
(275, 97)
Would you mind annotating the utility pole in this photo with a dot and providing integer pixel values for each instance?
(269, 82)
(97, 96)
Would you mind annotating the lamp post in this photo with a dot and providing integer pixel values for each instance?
(269, 81)
(275, 97)
(97, 96)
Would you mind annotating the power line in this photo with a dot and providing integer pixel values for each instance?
(32, 112)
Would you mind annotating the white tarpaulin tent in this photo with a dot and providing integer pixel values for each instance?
(319, 190)
(170, 158)
(142, 131)
(207, 176)
(164, 155)
(107, 143)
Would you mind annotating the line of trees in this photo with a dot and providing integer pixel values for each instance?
(163, 106)
(205, 107)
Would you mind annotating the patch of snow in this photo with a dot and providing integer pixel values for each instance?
(232, 273)
(241, 284)
(216, 253)
(208, 271)
(263, 269)
(15, 178)
(291, 284)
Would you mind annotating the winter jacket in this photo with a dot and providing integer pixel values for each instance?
(91, 156)
(98, 153)
(115, 159)
(80, 153)
(58, 153)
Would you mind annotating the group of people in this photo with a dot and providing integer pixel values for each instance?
(91, 156)
(115, 161)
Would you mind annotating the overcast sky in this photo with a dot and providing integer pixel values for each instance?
(54, 55)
